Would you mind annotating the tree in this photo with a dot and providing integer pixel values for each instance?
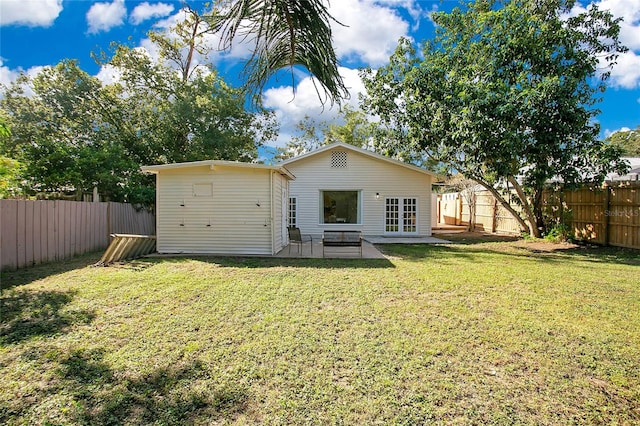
(627, 140)
(61, 135)
(355, 130)
(505, 95)
(286, 33)
(181, 109)
(468, 189)
(10, 169)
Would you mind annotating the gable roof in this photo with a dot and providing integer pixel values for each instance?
(213, 163)
(364, 152)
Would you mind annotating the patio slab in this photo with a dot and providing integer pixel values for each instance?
(369, 251)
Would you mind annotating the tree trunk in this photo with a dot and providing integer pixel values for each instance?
(530, 223)
(537, 211)
(527, 208)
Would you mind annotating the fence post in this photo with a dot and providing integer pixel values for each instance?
(607, 213)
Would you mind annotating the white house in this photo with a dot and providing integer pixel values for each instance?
(340, 186)
(224, 207)
(221, 207)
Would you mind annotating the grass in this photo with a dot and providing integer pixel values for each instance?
(456, 334)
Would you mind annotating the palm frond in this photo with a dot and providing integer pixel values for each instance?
(286, 33)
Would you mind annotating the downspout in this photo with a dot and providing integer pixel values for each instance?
(273, 236)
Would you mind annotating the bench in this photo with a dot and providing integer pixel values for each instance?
(342, 239)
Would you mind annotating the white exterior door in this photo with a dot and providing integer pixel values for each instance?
(401, 216)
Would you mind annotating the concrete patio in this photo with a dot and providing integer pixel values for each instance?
(369, 250)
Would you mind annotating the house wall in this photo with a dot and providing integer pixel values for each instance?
(280, 200)
(234, 218)
(363, 173)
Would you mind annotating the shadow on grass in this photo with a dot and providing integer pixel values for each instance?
(544, 249)
(471, 252)
(27, 314)
(168, 395)
(28, 275)
(275, 262)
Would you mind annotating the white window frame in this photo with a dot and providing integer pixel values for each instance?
(359, 212)
(401, 205)
(292, 212)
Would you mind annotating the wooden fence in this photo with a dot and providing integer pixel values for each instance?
(490, 215)
(33, 232)
(608, 215)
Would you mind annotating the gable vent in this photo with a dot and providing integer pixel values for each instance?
(338, 159)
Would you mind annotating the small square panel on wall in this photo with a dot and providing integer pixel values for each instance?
(203, 190)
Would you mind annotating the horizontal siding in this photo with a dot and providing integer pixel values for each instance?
(235, 219)
(363, 173)
(279, 185)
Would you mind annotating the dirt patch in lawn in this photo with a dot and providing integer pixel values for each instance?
(476, 237)
(545, 246)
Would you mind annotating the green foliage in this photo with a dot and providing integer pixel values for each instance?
(558, 233)
(62, 133)
(355, 130)
(10, 169)
(504, 94)
(627, 140)
(10, 174)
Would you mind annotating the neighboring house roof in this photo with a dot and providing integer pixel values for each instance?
(632, 174)
(213, 163)
(363, 152)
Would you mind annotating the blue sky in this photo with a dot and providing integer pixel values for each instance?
(37, 33)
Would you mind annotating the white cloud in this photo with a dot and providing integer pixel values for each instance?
(109, 74)
(104, 16)
(211, 41)
(145, 11)
(291, 108)
(630, 26)
(370, 32)
(626, 73)
(8, 76)
(33, 13)
(414, 8)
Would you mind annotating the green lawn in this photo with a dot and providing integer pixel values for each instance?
(457, 334)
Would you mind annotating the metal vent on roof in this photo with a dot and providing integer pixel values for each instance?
(338, 159)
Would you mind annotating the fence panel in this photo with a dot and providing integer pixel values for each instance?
(449, 209)
(490, 216)
(623, 216)
(603, 215)
(33, 232)
(586, 207)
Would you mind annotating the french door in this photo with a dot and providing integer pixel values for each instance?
(401, 216)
